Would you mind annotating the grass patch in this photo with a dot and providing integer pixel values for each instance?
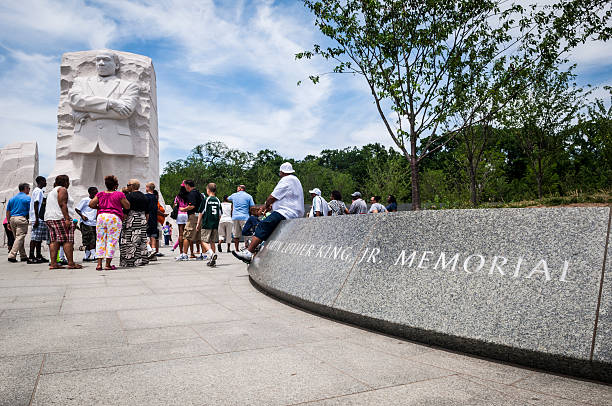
(603, 197)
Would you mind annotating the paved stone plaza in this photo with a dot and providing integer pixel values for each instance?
(183, 334)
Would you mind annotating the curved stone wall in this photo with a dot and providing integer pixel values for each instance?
(531, 286)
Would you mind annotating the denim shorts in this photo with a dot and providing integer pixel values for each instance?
(268, 225)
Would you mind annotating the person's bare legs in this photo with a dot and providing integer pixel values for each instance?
(34, 245)
(181, 238)
(53, 249)
(108, 263)
(155, 242)
(69, 250)
(237, 243)
(208, 246)
(254, 243)
(186, 245)
(99, 263)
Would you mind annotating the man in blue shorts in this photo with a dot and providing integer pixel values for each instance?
(286, 202)
(242, 202)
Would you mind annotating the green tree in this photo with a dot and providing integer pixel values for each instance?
(210, 162)
(410, 54)
(549, 104)
(590, 148)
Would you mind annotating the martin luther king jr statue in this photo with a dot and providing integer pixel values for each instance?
(102, 106)
(107, 119)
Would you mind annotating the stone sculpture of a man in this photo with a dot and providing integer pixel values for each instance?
(102, 106)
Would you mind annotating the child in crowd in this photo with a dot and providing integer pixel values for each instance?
(208, 221)
(167, 231)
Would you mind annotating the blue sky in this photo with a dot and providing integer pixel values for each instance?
(225, 72)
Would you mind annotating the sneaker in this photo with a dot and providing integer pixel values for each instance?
(202, 257)
(159, 254)
(44, 260)
(182, 257)
(219, 248)
(243, 255)
(213, 261)
(24, 259)
(32, 261)
(12, 260)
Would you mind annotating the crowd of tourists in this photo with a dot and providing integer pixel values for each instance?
(127, 222)
(131, 222)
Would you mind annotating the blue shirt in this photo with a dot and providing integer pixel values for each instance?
(19, 205)
(242, 203)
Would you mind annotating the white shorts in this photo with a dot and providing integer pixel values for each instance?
(182, 218)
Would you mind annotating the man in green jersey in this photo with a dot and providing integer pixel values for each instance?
(208, 220)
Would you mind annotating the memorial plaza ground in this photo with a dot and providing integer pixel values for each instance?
(184, 334)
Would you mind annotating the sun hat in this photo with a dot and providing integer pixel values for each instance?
(316, 191)
(286, 168)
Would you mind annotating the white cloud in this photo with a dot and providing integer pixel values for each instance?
(208, 43)
(52, 21)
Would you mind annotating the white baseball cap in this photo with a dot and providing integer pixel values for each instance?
(286, 168)
(316, 191)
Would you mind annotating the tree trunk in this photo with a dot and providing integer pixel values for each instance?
(539, 177)
(473, 192)
(414, 178)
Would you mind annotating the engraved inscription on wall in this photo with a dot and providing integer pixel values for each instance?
(467, 263)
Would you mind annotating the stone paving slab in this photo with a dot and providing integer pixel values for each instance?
(210, 337)
(262, 377)
(43, 334)
(17, 378)
(445, 391)
(106, 303)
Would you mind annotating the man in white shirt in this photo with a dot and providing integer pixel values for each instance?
(88, 224)
(40, 232)
(319, 205)
(286, 202)
(376, 206)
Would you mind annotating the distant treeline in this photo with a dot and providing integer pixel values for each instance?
(482, 164)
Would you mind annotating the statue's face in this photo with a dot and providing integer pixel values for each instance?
(106, 65)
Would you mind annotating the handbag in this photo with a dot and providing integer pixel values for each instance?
(174, 212)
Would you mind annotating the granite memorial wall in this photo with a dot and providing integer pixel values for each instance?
(529, 286)
(18, 164)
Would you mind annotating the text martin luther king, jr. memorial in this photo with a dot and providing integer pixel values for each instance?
(531, 286)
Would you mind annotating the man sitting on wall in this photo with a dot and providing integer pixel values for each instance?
(286, 202)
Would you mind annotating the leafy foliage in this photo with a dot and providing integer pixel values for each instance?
(435, 68)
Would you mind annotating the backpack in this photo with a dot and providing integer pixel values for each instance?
(160, 217)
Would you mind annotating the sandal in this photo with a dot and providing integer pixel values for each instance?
(57, 267)
(75, 266)
(98, 268)
(112, 268)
